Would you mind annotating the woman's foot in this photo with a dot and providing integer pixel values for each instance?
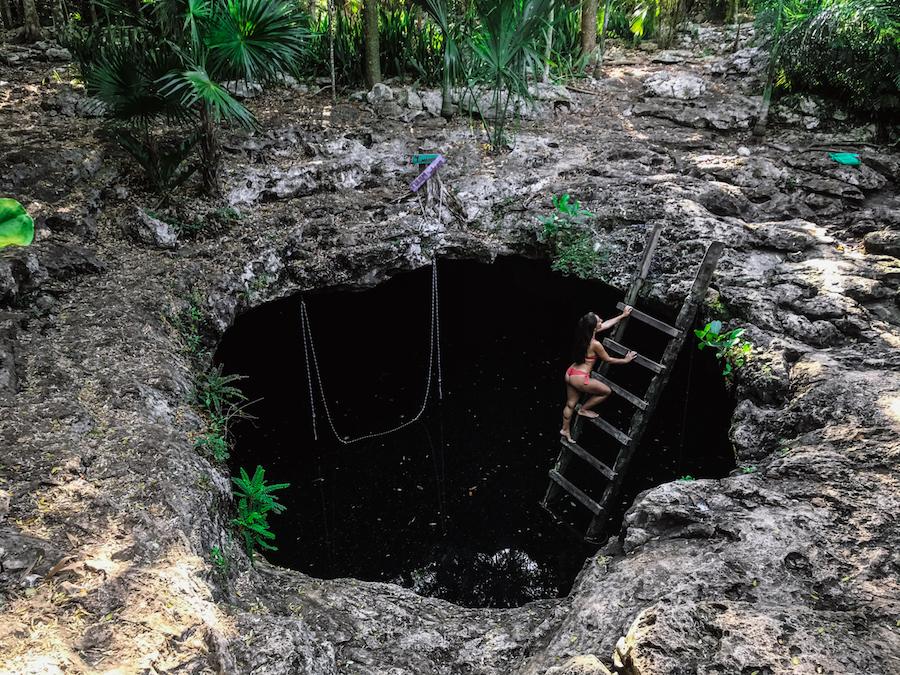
(566, 434)
(590, 414)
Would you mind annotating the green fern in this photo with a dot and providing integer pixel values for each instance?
(255, 501)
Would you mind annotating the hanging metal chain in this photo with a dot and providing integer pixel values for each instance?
(312, 366)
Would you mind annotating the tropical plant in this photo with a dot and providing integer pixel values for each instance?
(214, 442)
(16, 226)
(216, 392)
(451, 36)
(505, 49)
(218, 558)
(848, 50)
(255, 501)
(730, 348)
(168, 60)
(570, 240)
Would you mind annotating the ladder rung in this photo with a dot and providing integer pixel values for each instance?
(624, 393)
(640, 360)
(589, 458)
(651, 321)
(586, 501)
(620, 436)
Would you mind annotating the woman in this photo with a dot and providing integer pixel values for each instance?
(586, 351)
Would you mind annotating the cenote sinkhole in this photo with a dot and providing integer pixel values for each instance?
(449, 506)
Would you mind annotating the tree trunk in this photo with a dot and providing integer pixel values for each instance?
(31, 27)
(737, 25)
(60, 12)
(588, 32)
(210, 156)
(548, 47)
(331, 50)
(311, 10)
(373, 51)
(759, 129)
(446, 94)
(6, 15)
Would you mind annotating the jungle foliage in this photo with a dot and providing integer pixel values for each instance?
(167, 71)
(571, 243)
(172, 61)
(847, 50)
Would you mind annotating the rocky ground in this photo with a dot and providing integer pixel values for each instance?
(108, 514)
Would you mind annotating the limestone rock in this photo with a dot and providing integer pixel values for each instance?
(380, 93)
(884, 242)
(580, 665)
(58, 54)
(431, 101)
(670, 56)
(145, 229)
(242, 89)
(409, 98)
(670, 85)
(747, 61)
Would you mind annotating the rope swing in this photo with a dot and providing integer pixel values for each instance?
(312, 368)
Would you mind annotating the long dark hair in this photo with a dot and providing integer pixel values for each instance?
(584, 333)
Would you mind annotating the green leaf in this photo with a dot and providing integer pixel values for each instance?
(715, 327)
(196, 87)
(16, 226)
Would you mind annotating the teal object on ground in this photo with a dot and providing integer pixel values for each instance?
(16, 226)
(423, 159)
(848, 158)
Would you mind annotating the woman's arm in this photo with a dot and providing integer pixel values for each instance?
(609, 323)
(603, 355)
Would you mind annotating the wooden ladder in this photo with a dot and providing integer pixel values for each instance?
(644, 406)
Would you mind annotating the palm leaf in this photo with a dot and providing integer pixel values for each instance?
(255, 40)
(196, 87)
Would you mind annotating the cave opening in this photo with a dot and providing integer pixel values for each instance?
(449, 506)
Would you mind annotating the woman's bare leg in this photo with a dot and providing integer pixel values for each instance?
(600, 393)
(571, 400)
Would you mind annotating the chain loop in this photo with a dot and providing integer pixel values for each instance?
(312, 367)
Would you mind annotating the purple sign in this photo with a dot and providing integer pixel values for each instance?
(438, 162)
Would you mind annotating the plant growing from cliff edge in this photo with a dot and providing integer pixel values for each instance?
(569, 238)
(255, 501)
(219, 560)
(216, 393)
(215, 442)
(731, 350)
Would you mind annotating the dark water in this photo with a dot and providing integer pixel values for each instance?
(449, 505)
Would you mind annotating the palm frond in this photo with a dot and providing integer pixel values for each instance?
(255, 40)
(196, 87)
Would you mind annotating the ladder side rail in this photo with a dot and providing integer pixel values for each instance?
(641, 418)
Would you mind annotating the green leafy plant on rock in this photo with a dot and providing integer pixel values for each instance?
(223, 403)
(215, 442)
(570, 240)
(255, 501)
(731, 349)
(16, 226)
(218, 558)
(216, 392)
